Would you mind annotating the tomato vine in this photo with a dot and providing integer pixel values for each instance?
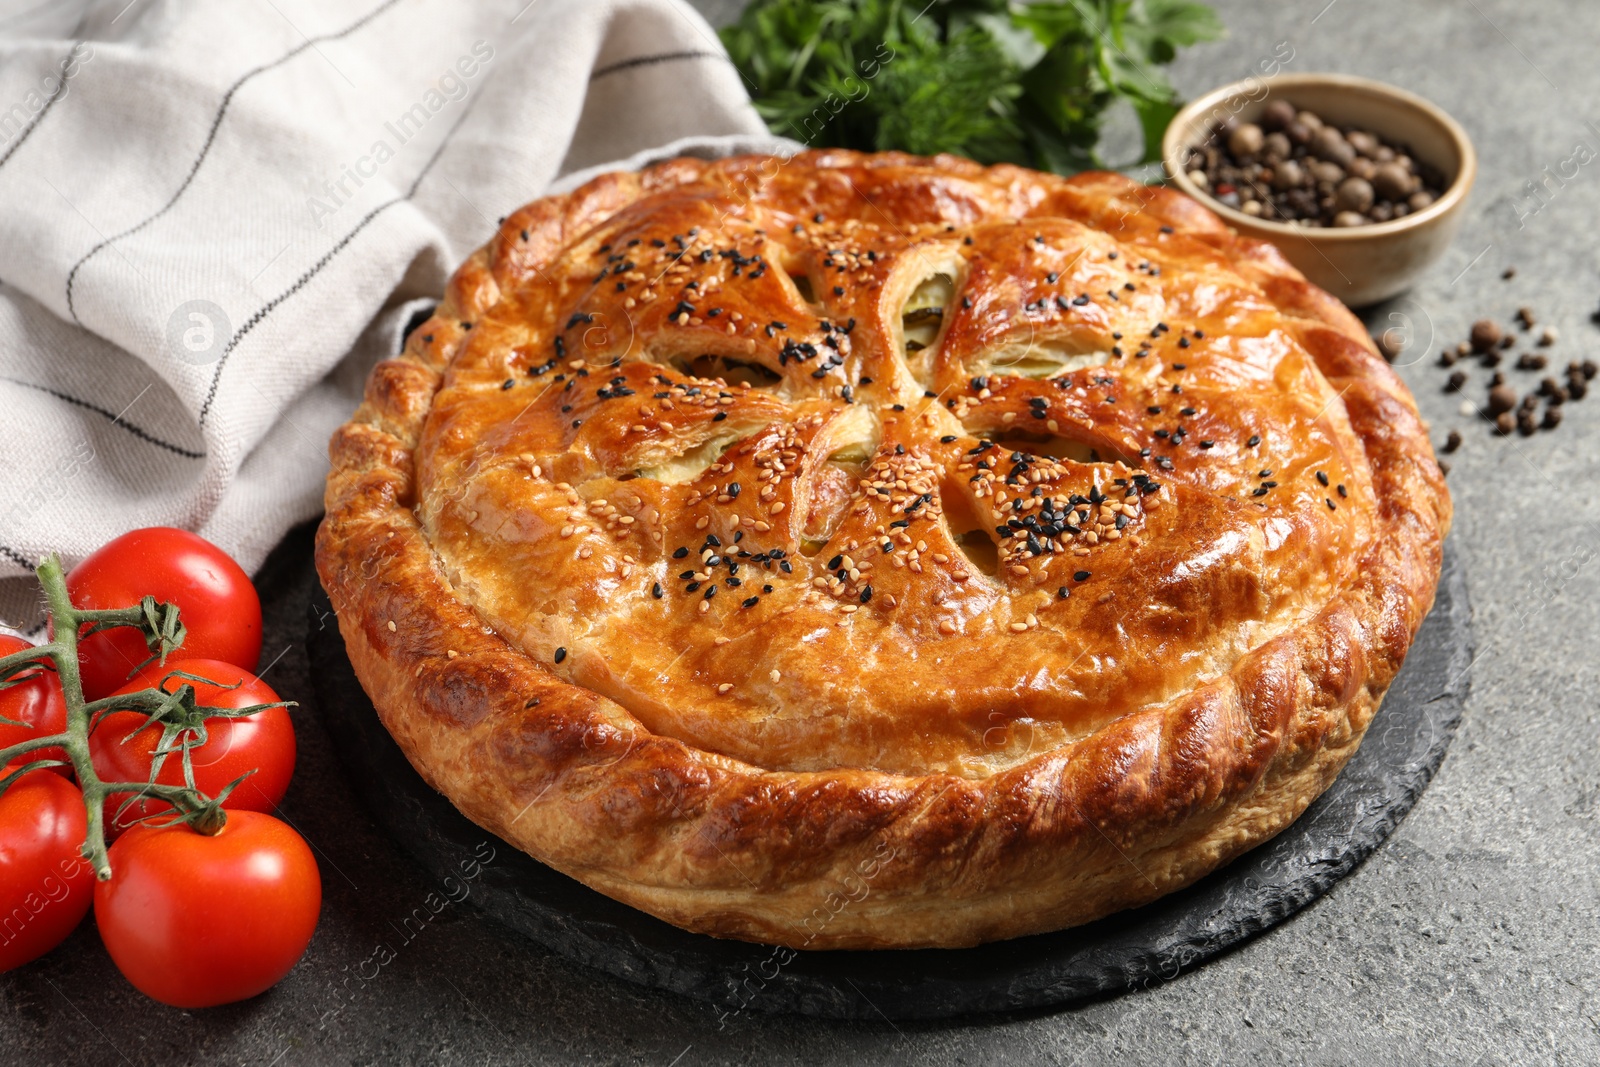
(182, 719)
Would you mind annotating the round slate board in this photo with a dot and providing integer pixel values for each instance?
(1402, 749)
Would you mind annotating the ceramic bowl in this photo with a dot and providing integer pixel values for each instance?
(1361, 265)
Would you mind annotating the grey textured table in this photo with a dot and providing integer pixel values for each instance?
(1469, 938)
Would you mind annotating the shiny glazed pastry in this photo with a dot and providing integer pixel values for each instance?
(864, 551)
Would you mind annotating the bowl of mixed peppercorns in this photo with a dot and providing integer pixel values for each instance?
(1359, 184)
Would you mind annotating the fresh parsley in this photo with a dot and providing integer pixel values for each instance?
(998, 81)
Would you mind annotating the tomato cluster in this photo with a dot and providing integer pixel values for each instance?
(171, 888)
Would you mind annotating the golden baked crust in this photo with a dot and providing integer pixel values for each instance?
(664, 556)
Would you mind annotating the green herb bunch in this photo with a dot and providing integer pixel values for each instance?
(997, 81)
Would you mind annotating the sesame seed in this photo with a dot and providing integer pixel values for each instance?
(1080, 576)
(561, 654)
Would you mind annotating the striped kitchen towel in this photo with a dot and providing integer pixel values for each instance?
(215, 216)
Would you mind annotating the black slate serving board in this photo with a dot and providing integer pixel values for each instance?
(1402, 749)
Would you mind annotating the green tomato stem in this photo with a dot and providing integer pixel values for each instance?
(203, 812)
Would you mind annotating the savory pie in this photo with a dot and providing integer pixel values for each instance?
(858, 551)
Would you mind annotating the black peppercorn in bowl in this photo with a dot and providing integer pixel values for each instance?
(1361, 185)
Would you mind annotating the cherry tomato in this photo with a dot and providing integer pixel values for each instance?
(121, 746)
(194, 921)
(37, 702)
(216, 602)
(45, 885)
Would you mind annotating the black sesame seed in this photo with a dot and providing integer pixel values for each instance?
(751, 602)
(507, 384)
(655, 590)
(1063, 593)
(1342, 492)
(1080, 576)
(680, 553)
(1331, 505)
(866, 594)
(1322, 476)
(1254, 440)
(561, 654)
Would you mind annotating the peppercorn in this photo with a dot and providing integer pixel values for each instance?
(1246, 140)
(1277, 115)
(1390, 344)
(1485, 335)
(1391, 181)
(1329, 144)
(1354, 194)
